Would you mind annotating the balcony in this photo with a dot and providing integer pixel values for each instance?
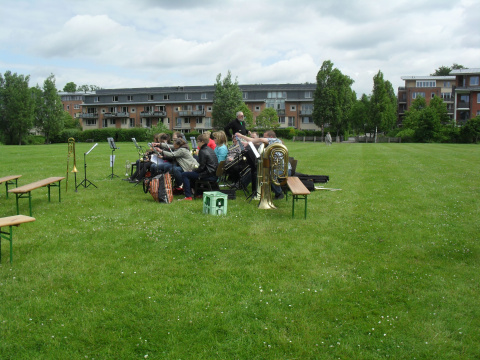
(109, 115)
(191, 113)
(305, 112)
(280, 111)
(147, 114)
(89, 115)
(463, 105)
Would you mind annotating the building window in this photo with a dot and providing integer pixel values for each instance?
(132, 122)
(204, 96)
(207, 123)
(293, 108)
(124, 121)
(188, 97)
(308, 94)
(166, 97)
(186, 121)
(91, 122)
(113, 122)
(129, 97)
(76, 107)
(277, 95)
(417, 94)
(209, 108)
(133, 110)
(257, 108)
(199, 120)
(281, 119)
(104, 123)
(68, 107)
(95, 99)
(150, 97)
(114, 98)
(478, 98)
(474, 80)
(245, 95)
(433, 95)
(179, 122)
(307, 120)
(426, 83)
(447, 84)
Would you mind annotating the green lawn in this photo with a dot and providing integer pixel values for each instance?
(386, 268)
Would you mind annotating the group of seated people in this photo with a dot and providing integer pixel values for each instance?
(187, 165)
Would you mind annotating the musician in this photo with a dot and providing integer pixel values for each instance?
(221, 149)
(269, 138)
(143, 165)
(206, 170)
(183, 160)
(237, 126)
(161, 166)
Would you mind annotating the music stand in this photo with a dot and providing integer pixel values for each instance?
(111, 142)
(86, 183)
(140, 149)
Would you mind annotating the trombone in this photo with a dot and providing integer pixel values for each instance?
(71, 152)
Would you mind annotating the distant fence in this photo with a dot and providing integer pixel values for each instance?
(353, 139)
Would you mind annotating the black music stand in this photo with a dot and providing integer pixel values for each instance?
(86, 183)
(252, 157)
(111, 142)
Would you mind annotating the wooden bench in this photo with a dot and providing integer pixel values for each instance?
(11, 221)
(25, 190)
(8, 180)
(299, 192)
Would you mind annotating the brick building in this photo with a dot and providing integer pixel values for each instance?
(467, 94)
(188, 108)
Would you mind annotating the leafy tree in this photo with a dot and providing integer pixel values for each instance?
(383, 105)
(426, 121)
(470, 132)
(70, 122)
(267, 119)
(16, 108)
(49, 117)
(333, 97)
(227, 98)
(70, 87)
(83, 88)
(359, 114)
(445, 70)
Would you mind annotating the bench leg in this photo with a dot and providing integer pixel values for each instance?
(59, 190)
(18, 196)
(296, 198)
(10, 183)
(8, 236)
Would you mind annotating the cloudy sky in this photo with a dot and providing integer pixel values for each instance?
(147, 43)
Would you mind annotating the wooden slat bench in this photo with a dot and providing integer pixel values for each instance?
(25, 190)
(299, 192)
(11, 221)
(8, 180)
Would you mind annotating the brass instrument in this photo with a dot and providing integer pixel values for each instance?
(259, 172)
(71, 150)
(274, 162)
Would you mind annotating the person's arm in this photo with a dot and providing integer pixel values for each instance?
(255, 141)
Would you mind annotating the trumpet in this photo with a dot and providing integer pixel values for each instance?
(71, 152)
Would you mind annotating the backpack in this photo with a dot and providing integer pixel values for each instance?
(160, 187)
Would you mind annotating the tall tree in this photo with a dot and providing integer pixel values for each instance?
(16, 108)
(70, 87)
(359, 114)
(227, 98)
(383, 105)
(267, 119)
(49, 109)
(333, 97)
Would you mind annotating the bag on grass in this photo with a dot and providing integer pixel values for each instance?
(160, 187)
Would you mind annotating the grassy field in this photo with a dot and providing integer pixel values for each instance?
(388, 267)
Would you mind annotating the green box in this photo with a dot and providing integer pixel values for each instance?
(215, 203)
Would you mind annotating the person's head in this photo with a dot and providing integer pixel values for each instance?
(156, 138)
(220, 137)
(240, 115)
(177, 135)
(164, 138)
(254, 135)
(269, 134)
(178, 142)
(203, 139)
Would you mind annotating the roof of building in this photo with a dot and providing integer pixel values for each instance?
(449, 77)
(465, 71)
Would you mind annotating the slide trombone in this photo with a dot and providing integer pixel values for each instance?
(71, 152)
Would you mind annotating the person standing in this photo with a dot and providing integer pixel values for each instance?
(236, 126)
(328, 139)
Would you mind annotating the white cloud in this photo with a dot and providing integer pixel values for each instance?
(161, 43)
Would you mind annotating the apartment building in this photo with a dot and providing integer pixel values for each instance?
(427, 87)
(72, 102)
(188, 108)
(467, 94)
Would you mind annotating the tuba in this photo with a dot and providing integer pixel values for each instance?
(274, 162)
(71, 151)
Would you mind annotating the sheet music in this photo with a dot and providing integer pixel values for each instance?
(254, 149)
